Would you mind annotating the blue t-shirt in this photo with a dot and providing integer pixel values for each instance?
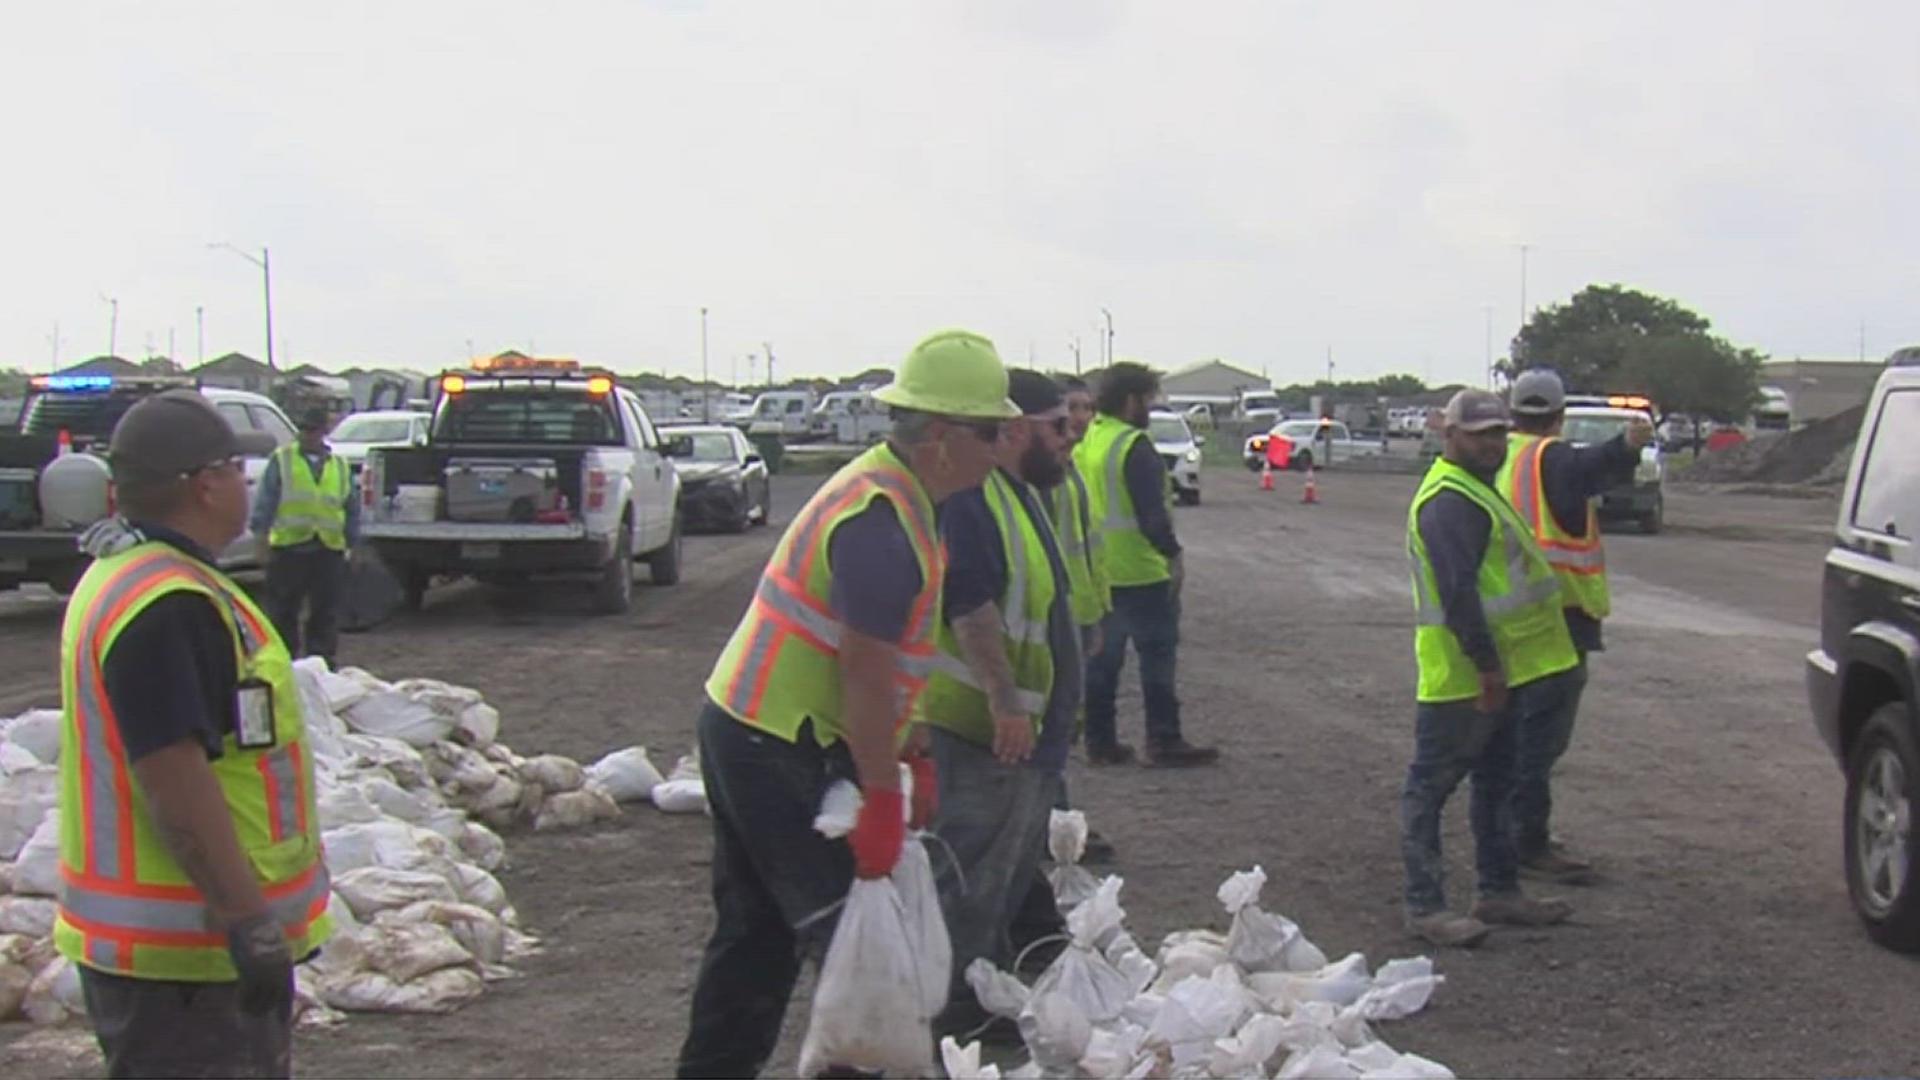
(876, 576)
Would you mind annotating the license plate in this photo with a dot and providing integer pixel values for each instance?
(16, 566)
(480, 551)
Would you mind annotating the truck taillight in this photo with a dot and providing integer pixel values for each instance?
(366, 486)
(596, 489)
(113, 500)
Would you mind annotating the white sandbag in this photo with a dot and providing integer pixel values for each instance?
(553, 773)
(506, 802)
(997, 992)
(1257, 940)
(687, 768)
(1188, 959)
(1319, 1063)
(926, 927)
(15, 979)
(1056, 1030)
(1198, 1011)
(482, 845)
(963, 1062)
(26, 795)
(37, 871)
(405, 951)
(1340, 984)
(1249, 1051)
(442, 991)
(54, 995)
(867, 1010)
(15, 758)
(1400, 989)
(387, 843)
(373, 889)
(1372, 1057)
(1126, 957)
(402, 761)
(681, 796)
(479, 725)
(478, 887)
(344, 803)
(478, 930)
(29, 916)
(1085, 978)
(459, 768)
(571, 809)
(392, 714)
(37, 731)
(1410, 1067)
(1114, 1052)
(627, 775)
(1067, 842)
(364, 678)
(395, 801)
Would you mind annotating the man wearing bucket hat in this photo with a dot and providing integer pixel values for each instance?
(307, 521)
(1487, 625)
(821, 681)
(190, 857)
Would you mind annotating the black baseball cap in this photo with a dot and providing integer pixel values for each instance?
(1477, 410)
(179, 431)
(1036, 394)
(316, 418)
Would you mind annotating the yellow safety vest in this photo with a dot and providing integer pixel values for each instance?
(310, 507)
(954, 699)
(1580, 560)
(1080, 548)
(126, 907)
(780, 668)
(1128, 557)
(1518, 591)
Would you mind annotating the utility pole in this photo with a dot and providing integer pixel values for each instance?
(768, 345)
(55, 342)
(199, 335)
(1863, 341)
(1488, 309)
(1109, 316)
(1329, 369)
(1523, 285)
(265, 263)
(113, 324)
(170, 353)
(706, 397)
(1075, 346)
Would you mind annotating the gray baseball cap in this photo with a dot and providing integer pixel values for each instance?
(178, 431)
(1477, 410)
(1538, 392)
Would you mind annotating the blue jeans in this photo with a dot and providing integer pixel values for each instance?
(993, 820)
(1543, 713)
(1453, 740)
(1149, 616)
(772, 876)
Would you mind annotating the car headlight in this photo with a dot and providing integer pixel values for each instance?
(1193, 455)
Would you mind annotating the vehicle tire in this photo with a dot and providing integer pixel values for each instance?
(1188, 496)
(765, 516)
(664, 565)
(1301, 461)
(413, 587)
(1253, 464)
(613, 593)
(1655, 519)
(1882, 772)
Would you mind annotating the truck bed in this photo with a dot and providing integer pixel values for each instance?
(428, 464)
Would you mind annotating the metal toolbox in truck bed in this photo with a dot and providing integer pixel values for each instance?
(506, 490)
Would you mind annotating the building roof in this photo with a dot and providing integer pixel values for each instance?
(1215, 362)
(232, 363)
(103, 365)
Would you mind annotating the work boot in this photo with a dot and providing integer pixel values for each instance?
(1446, 930)
(1519, 909)
(1110, 754)
(1180, 754)
(1557, 865)
(1099, 850)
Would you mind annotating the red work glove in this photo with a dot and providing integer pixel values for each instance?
(877, 834)
(926, 791)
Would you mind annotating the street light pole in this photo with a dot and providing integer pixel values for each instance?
(768, 345)
(1523, 285)
(706, 395)
(199, 335)
(113, 325)
(1109, 317)
(265, 263)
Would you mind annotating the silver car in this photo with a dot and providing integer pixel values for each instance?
(1179, 447)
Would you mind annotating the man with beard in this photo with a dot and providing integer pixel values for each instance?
(1005, 688)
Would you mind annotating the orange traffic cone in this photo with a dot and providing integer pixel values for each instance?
(63, 443)
(1266, 476)
(1310, 495)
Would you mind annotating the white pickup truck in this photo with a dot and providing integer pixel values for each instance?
(1316, 444)
(54, 478)
(542, 470)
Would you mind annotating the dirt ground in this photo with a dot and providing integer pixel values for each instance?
(1721, 942)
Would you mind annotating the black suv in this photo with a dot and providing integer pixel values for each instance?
(1864, 679)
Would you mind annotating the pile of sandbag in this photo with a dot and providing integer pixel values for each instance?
(1260, 1000)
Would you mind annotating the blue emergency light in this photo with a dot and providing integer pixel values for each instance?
(73, 382)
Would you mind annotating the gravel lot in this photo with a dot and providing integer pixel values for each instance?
(1720, 943)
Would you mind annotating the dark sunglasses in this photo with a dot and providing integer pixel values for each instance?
(984, 430)
(238, 461)
(1058, 424)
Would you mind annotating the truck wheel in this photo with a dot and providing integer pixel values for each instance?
(1881, 859)
(613, 595)
(1189, 496)
(664, 565)
(1653, 520)
(413, 587)
(743, 514)
(1301, 462)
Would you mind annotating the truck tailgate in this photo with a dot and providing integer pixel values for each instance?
(471, 531)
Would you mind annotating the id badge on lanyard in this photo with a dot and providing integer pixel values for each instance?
(254, 709)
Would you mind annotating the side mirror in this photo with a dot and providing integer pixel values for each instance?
(678, 446)
(420, 439)
(1199, 440)
(752, 459)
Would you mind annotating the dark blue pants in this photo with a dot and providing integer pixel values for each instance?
(310, 576)
(1543, 714)
(1452, 741)
(1148, 616)
(773, 876)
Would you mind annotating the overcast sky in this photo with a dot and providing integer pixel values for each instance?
(1258, 181)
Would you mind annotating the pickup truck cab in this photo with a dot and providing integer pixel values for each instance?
(54, 477)
(1316, 444)
(1863, 682)
(784, 413)
(536, 469)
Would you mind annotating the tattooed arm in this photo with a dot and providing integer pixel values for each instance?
(983, 643)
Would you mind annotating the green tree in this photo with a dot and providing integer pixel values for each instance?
(160, 365)
(1613, 339)
(1400, 385)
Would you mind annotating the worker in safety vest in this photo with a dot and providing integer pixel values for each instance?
(190, 855)
(1083, 543)
(1553, 484)
(1005, 691)
(1131, 501)
(821, 681)
(1489, 637)
(310, 522)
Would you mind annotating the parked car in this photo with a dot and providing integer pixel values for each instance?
(1642, 499)
(358, 433)
(723, 481)
(1316, 443)
(1863, 682)
(1179, 447)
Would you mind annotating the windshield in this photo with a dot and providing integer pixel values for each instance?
(1259, 401)
(1300, 429)
(711, 446)
(520, 416)
(1586, 430)
(1168, 429)
(371, 429)
(86, 417)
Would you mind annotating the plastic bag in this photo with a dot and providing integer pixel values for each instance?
(1198, 1011)
(1319, 1063)
(1249, 1050)
(1056, 1030)
(867, 1006)
(29, 916)
(54, 995)
(681, 796)
(1257, 940)
(1410, 1067)
(1067, 842)
(392, 714)
(1113, 1052)
(963, 1062)
(27, 794)
(1085, 978)
(37, 871)
(1400, 989)
(1124, 954)
(37, 731)
(439, 992)
(571, 809)
(1340, 984)
(997, 992)
(373, 889)
(627, 775)
(926, 927)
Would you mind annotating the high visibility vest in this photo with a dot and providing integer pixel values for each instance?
(310, 507)
(126, 907)
(955, 700)
(1128, 557)
(780, 668)
(1580, 560)
(1088, 596)
(1518, 591)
